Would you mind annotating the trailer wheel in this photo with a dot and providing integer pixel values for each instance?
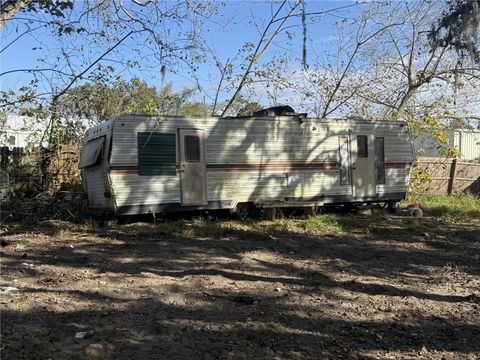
(392, 207)
(244, 210)
(120, 220)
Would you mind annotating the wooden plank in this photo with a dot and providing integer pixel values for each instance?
(465, 179)
(280, 204)
(456, 178)
(270, 213)
(310, 211)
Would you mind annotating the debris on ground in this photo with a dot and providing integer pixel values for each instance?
(19, 247)
(6, 289)
(81, 335)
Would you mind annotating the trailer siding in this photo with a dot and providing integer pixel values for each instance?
(132, 189)
(252, 159)
(95, 185)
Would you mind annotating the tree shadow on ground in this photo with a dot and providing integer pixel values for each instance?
(243, 293)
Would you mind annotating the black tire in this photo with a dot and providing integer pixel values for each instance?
(244, 210)
(392, 207)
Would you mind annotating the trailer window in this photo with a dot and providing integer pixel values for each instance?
(156, 153)
(362, 146)
(380, 160)
(344, 152)
(192, 148)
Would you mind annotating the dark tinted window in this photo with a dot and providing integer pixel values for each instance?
(362, 146)
(156, 153)
(380, 160)
(192, 148)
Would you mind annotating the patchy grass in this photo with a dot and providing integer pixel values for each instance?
(320, 224)
(64, 234)
(200, 227)
(10, 228)
(445, 209)
(450, 209)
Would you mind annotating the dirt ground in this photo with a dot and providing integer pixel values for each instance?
(383, 289)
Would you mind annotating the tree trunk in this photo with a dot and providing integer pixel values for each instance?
(52, 145)
(408, 95)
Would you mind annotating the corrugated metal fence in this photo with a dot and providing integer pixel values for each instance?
(468, 143)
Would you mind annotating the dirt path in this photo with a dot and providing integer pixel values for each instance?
(388, 290)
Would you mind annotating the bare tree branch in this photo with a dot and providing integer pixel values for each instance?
(35, 70)
(223, 71)
(259, 50)
(351, 58)
(92, 64)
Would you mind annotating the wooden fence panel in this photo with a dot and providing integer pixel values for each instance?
(449, 176)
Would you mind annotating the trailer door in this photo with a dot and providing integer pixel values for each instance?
(192, 167)
(363, 157)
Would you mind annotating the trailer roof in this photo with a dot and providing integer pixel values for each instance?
(100, 128)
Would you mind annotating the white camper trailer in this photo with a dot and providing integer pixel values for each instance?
(137, 164)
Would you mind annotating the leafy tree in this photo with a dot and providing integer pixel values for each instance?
(100, 101)
(179, 103)
(194, 109)
(96, 101)
(245, 107)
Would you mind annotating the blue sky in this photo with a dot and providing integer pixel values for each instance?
(226, 36)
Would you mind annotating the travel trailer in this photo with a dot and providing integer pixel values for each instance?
(139, 164)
